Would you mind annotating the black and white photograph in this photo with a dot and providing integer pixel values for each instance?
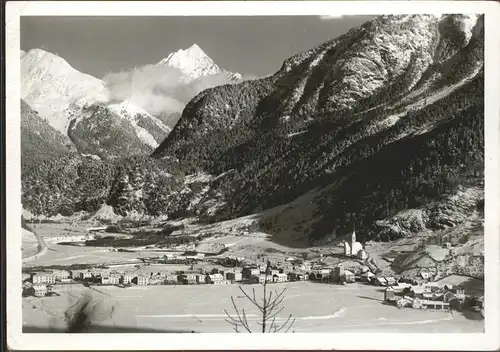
(234, 173)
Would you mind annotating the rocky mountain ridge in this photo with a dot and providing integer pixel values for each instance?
(395, 83)
(342, 77)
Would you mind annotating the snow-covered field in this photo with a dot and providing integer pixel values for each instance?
(58, 254)
(316, 308)
(29, 245)
(250, 245)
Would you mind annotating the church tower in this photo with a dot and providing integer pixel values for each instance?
(353, 238)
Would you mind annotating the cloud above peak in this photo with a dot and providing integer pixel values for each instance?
(158, 89)
(330, 17)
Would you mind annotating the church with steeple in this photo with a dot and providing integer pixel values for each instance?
(354, 248)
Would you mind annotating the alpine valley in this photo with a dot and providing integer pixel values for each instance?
(383, 126)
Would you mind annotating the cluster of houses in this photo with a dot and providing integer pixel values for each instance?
(424, 296)
(181, 256)
(290, 270)
(40, 282)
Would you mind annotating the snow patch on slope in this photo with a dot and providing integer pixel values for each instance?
(132, 114)
(295, 133)
(468, 22)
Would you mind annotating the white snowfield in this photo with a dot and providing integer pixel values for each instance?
(316, 308)
(29, 245)
(33, 246)
(131, 112)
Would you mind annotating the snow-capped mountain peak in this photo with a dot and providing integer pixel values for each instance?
(66, 97)
(49, 84)
(195, 51)
(193, 62)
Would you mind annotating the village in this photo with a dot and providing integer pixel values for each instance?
(179, 269)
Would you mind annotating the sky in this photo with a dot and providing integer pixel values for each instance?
(251, 45)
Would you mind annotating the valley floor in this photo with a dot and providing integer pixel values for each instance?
(316, 307)
(29, 244)
(252, 246)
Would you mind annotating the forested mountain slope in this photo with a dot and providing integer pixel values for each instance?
(39, 141)
(389, 61)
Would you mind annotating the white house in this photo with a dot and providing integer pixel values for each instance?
(142, 280)
(367, 276)
(349, 276)
(425, 275)
(280, 277)
(85, 274)
(61, 274)
(379, 281)
(200, 278)
(74, 274)
(127, 277)
(40, 290)
(169, 256)
(190, 277)
(156, 280)
(262, 278)
(215, 278)
(43, 278)
(110, 280)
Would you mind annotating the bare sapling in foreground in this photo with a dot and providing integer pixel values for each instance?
(270, 306)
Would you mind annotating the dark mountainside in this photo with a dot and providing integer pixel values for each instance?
(386, 118)
(102, 132)
(39, 141)
(342, 114)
